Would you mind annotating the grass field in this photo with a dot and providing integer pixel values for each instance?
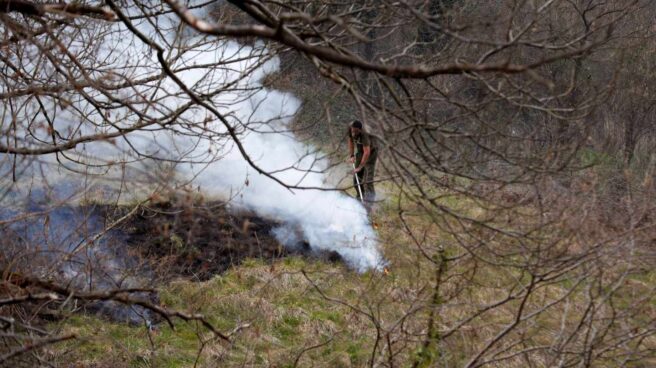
(434, 305)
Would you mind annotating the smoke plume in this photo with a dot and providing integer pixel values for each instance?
(193, 149)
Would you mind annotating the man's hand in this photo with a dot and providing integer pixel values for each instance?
(351, 159)
(357, 170)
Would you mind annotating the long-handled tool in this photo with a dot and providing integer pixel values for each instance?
(357, 181)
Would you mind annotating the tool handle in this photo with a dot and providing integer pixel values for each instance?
(357, 180)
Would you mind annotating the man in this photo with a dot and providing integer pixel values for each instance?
(363, 151)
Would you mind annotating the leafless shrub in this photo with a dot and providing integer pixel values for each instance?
(518, 129)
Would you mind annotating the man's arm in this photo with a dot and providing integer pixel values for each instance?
(351, 149)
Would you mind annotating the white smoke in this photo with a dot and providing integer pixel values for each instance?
(232, 74)
(328, 220)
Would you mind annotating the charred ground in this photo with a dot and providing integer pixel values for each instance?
(168, 240)
(199, 240)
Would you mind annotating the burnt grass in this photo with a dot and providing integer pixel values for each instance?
(160, 242)
(199, 240)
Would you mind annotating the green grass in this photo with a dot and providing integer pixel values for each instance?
(282, 312)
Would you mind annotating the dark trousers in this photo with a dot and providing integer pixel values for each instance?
(366, 177)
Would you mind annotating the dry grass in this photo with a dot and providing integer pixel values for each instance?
(316, 314)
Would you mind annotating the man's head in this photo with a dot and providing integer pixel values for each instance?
(356, 127)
